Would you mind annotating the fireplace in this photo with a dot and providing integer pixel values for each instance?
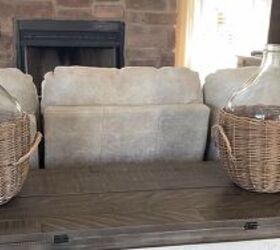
(44, 44)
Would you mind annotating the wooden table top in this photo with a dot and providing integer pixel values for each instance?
(126, 206)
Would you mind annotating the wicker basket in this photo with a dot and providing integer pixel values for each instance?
(249, 151)
(15, 150)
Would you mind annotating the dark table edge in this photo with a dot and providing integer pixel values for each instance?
(151, 236)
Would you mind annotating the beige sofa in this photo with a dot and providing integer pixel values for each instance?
(95, 115)
(135, 114)
(21, 86)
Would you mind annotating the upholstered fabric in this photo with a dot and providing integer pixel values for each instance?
(135, 114)
(218, 89)
(84, 135)
(128, 86)
(21, 87)
(94, 115)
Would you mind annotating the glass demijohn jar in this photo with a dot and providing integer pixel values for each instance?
(9, 107)
(259, 98)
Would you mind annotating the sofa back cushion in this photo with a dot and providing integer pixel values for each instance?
(21, 87)
(221, 85)
(86, 86)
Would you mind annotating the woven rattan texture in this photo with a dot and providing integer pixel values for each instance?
(14, 143)
(249, 151)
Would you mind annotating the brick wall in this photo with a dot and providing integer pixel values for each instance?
(150, 25)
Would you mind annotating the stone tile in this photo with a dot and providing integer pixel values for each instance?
(151, 18)
(143, 53)
(109, 1)
(7, 63)
(6, 43)
(172, 4)
(167, 59)
(135, 17)
(34, 9)
(151, 5)
(171, 38)
(6, 26)
(151, 63)
(7, 56)
(74, 3)
(108, 11)
(160, 18)
(145, 36)
(83, 14)
(7, 8)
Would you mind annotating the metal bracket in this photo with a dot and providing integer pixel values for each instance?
(60, 239)
(251, 225)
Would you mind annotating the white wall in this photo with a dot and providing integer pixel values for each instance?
(243, 245)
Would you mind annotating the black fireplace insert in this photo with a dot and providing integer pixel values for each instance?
(44, 44)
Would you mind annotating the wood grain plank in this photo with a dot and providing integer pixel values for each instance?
(118, 206)
(182, 206)
(124, 178)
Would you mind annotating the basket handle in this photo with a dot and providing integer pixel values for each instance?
(33, 147)
(219, 129)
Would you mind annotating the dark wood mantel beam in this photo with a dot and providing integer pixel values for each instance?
(274, 30)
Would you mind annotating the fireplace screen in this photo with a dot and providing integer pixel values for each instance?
(42, 45)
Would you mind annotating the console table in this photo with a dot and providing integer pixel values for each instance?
(129, 206)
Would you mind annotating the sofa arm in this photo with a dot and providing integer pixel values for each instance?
(81, 135)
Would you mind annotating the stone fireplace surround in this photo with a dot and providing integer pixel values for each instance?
(150, 25)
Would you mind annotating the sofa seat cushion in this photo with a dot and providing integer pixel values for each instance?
(81, 136)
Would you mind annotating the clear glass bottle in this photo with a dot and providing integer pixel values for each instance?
(259, 97)
(9, 106)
